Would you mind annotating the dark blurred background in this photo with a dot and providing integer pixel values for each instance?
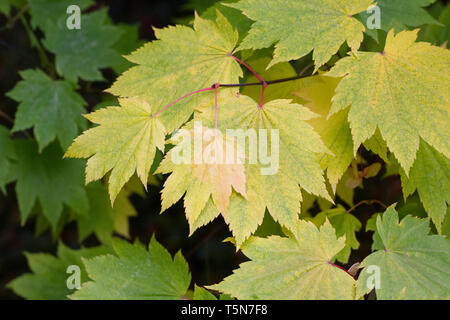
(209, 258)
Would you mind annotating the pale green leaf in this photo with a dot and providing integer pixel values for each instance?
(409, 263)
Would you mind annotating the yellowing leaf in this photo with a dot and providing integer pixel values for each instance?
(291, 268)
(403, 91)
(408, 263)
(212, 168)
(297, 27)
(124, 142)
(183, 60)
(345, 224)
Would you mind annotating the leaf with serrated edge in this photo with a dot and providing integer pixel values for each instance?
(52, 108)
(298, 27)
(135, 273)
(403, 91)
(183, 60)
(49, 277)
(409, 263)
(203, 175)
(124, 141)
(297, 163)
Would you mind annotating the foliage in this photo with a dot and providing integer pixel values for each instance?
(325, 106)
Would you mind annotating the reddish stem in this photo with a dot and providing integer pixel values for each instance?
(179, 99)
(249, 68)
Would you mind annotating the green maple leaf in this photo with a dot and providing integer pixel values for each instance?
(399, 15)
(411, 264)
(7, 153)
(124, 141)
(297, 163)
(291, 268)
(135, 273)
(345, 224)
(43, 11)
(52, 108)
(49, 179)
(298, 27)
(80, 53)
(430, 175)
(48, 280)
(400, 92)
(183, 60)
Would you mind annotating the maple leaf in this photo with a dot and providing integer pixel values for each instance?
(5, 5)
(42, 176)
(403, 91)
(43, 11)
(430, 175)
(345, 224)
(205, 174)
(295, 160)
(411, 264)
(80, 53)
(124, 142)
(203, 57)
(155, 275)
(52, 108)
(128, 42)
(334, 131)
(291, 268)
(298, 27)
(48, 280)
(399, 15)
(7, 153)
(438, 35)
(234, 16)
